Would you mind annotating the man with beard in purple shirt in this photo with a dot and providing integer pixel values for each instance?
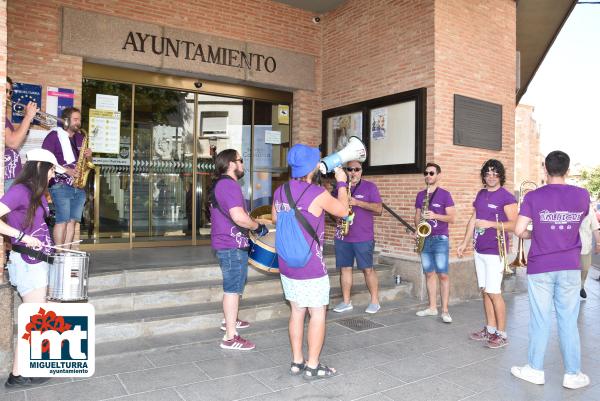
(556, 211)
(230, 223)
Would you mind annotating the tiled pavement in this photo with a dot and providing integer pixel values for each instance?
(409, 358)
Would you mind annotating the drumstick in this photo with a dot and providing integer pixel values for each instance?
(69, 250)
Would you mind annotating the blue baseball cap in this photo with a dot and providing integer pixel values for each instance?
(303, 159)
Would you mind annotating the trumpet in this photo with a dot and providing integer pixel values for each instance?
(521, 258)
(501, 239)
(423, 228)
(44, 119)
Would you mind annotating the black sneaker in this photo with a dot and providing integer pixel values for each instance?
(17, 381)
(582, 293)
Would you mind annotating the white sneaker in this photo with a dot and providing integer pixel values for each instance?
(446, 317)
(578, 380)
(427, 312)
(529, 374)
(343, 307)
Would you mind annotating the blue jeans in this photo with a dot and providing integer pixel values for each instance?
(234, 266)
(68, 202)
(434, 257)
(561, 289)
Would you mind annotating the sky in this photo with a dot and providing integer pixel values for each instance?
(565, 91)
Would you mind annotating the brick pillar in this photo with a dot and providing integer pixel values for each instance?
(6, 291)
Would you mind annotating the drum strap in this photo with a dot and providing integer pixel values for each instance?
(39, 255)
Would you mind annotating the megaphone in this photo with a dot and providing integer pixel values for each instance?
(354, 150)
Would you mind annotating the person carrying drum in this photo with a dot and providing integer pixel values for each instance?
(25, 208)
(230, 223)
(359, 242)
(306, 287)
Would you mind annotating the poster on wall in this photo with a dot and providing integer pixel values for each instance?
(107, 102)
(23, 94)
(105, 131)
(167, 142)
(263, 160)
(283, 114)
(341, 128)
(379, 118)
(58, 99)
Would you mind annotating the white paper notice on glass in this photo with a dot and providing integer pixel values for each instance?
(33, 140)
(273, 137)
(107, 102)
(105, 131)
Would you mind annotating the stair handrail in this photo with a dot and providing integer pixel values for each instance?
(400, 219)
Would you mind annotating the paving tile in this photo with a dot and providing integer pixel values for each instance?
(470, 352)
(82, 390)
(153, 379)
(157, 395)
(588, 394)
(224, 389)
(17, 396)
(347, 362)
(478, 377)
(413, 346)
(278, 377)
(429, 389)
(235, 364)
(357, 384)
(304, 393)
(280, 355)
(375, 397)
(188, 353)
(415, 368)
(110, 365)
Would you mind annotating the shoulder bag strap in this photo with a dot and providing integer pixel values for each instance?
(299, 216)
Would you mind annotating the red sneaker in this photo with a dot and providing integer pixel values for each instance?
(239, 324)
(480, 335)
(497, 341)
(237, 343)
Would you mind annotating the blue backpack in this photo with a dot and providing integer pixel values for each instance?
(290, 242)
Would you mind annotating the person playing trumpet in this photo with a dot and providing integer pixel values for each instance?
(492, 204)
(359, 242)
(434, 256)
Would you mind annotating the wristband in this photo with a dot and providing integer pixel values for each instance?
(342, 184)
(21, 235)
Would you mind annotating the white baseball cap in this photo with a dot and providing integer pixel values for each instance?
(43, 155)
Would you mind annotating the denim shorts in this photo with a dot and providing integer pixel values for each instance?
(68, 202)
(346, 252)
(234, 266)
(26, 277)
(434, 257)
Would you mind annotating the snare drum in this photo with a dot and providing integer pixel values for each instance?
(68, 276)
(262, 253)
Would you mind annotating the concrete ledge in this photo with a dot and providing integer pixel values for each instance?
(6, 328)
(463, 280)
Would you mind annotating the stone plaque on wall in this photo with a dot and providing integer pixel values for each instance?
(119, 41)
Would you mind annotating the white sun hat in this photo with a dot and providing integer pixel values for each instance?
(43, 155)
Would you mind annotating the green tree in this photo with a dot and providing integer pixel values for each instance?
(591, 181)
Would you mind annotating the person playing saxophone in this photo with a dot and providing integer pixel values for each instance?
(491, 201)
(66, 144)
(359, 242)
(434, 255)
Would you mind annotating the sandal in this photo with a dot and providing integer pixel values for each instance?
(297, 368)
(321, 371)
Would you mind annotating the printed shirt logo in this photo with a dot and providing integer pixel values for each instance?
(492, 206)
(359, 196)
(11, 162)
(561, 219)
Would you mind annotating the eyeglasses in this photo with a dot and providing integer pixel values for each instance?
(351, 169)
(426, 173)
(239, 160)
(491, 174)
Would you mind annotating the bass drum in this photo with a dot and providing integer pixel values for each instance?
(262, 254)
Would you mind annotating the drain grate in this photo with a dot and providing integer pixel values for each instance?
(359, 323)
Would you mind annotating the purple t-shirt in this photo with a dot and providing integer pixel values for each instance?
(487, 205)
(315, 267)
(52, 143)
(439, 200)
(17, 200)
(224, 234)
(12, 160)
(556, 212)
(361, 229)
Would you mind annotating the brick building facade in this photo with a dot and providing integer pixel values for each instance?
(527, 142)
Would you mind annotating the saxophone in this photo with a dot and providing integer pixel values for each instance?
(345, 223)
(423, 228)
(83, 165)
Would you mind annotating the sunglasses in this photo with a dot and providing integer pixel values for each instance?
(239, 160)
(351, 169)
(431, 173)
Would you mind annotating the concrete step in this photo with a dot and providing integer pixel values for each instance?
(167, 275)
(162, 321)
(129, 299)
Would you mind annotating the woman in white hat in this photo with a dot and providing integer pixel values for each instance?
(25, 207)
